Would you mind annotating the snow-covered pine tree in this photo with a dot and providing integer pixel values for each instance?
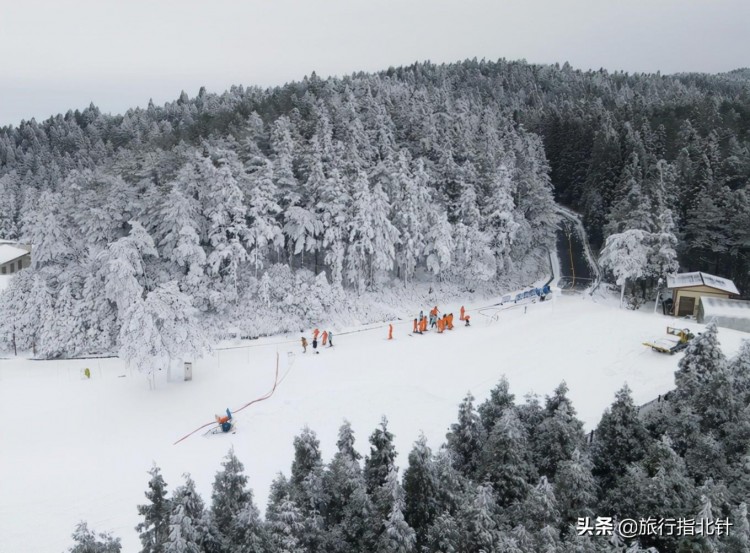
(421, 489)
(188, 528)
(86, 541)
(444, 535)
(382, 457)
(739, 370)
(620, 439)
(123, 267)
(704, 382)
(154, 529)
(307, 459)
(499, 221)
(335, 199)
(625, 255)
(493, 408)
(397, 536)
(343, 475)
(349, 509)
(9, 204)
(411, 203)
(558, 435)
(438, 241)
(539, 509)
(226, 231)
(160, 329)
(466, 437)
(307, 489)
(738, 540)
(285, 524)
(479, 522)
(47, 228)
(575, 489)
(233, 514)
(506, 460)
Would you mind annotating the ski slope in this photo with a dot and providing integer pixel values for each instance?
(74, 449)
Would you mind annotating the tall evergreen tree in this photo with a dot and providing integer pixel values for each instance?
(620, 439)
(466, 437)
(154, 529)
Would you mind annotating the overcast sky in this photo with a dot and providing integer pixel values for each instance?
(63, 54)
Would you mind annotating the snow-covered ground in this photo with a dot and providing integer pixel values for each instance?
(74, 449)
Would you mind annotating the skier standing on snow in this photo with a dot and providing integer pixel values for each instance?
(304, 345)
(461, 316)
(324, 338)
(415, 329)
(330, 339)
(315, 344)
(390, 332)
(466, 318)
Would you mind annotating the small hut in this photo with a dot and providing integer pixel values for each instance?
(688, 288)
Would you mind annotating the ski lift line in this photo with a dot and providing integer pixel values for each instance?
(379, 327)
(264, 397)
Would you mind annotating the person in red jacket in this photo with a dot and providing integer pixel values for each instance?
(461, 315)
(390, 332)
(324, 337)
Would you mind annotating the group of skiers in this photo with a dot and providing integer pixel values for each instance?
(435, 320)
(326, 338)
(421, 324)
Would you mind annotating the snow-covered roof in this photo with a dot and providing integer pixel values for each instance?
(683, 280)
(721, 307)
(9, 253)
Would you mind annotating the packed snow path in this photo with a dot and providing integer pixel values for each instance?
(578, 266)
(75, 449)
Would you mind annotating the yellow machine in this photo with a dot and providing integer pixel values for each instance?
(671, 345)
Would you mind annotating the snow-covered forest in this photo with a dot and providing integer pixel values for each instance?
(267, 210)
(511, 477)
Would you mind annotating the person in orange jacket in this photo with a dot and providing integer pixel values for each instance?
(324, 337)
(415, 330)
(423, 325)
(467, 320)
(440, 325)
(461, 315)
(450, 321)
(390, 332)
(315, 334)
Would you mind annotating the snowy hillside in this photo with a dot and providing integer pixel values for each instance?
(75, 449)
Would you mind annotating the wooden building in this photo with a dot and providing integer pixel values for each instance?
(13, 257)
(688, 288)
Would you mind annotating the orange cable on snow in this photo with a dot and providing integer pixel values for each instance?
(276, 382)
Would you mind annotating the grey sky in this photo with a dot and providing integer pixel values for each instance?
(63, 54)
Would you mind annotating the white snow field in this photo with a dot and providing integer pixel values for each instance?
(74, 449)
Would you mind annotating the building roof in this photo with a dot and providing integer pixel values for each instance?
(9, 253)
(686, 280)
(721, 307)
